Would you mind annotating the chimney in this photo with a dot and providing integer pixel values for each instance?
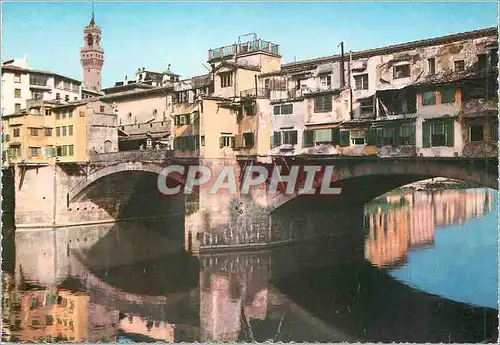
(168, 68)
(342, 69)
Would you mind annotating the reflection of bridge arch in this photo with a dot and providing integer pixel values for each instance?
(363, 179)
(164, 307)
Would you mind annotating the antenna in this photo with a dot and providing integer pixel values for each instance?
(93, 8)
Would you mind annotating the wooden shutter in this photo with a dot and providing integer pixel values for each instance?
(308, 138)
(231, 141)
(371, 136)
(293, 135)
(344, 138)
(335, 136)
(396, 133)
(426, 129)
(449, 132)
(277, 139)
(378, 137)
(221, 142)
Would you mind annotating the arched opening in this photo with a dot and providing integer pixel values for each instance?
(108, 146)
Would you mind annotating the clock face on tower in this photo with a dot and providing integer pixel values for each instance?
(90, 40)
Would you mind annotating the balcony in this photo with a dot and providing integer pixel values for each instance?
(255, 93)
(243, 48)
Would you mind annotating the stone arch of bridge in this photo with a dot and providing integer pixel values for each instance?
(365, 180)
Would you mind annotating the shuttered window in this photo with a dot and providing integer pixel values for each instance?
(438, 133)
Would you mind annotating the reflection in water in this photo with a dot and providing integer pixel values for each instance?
(133, 283)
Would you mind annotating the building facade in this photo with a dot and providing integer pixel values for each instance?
(20, 83)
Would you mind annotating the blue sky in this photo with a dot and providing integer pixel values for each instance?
(155, 34)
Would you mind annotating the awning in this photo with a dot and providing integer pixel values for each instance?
(322, 126)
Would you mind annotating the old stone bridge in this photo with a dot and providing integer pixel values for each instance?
(123, 185)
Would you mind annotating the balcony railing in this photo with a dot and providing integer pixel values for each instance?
(242, 48)
(255, 93)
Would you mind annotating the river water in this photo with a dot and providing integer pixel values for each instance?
(429, 274)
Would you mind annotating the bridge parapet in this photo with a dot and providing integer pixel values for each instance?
(135, 155)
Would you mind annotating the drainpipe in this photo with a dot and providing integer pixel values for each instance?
(350, 86)
(342, 69)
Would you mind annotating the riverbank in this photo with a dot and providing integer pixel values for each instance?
(435, 184)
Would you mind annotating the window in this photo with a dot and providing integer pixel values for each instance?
(49, 320)
(35, 151)
(58, 151)
(407, 134)
(447, 95)
(48, 112)
(15, 151)
(325, 80)
(16, 132)
(401, 71)
(429, 98)
(277, 110)
(494, 130)
(248, 139)
(70, 150)
(226, 141)
(49, 152)
(476, 133)
(459, 65)
(202, 140)
(66, 98)
(250, 110)
(17, 107)
(358, 137)
(58, 131)
(180, 120)
(289, 137)
(70, 130)
(70, 114)
(366, 106)
(76, 98)
(17, 93)
(186, 143)
(58, 96)
(17, 78)
(438, 137)
(388, 136)
(35, 323)
(361, 82)
(323, 104)
(286, 109)
(63, 131)
(34, 132)
(322, 136)
(48, 132)
(36, 95)
(102, 109)
(64, 150)
(226, 79)
(432, 66)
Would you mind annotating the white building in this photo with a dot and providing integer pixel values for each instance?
(20, 83)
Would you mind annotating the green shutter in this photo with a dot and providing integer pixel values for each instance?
(308, 138)
(277, 139)
(449, 132)
(426, 130)
(294, 137)
(412, 135)
(335, 136)
(371, 136)
(378, 137)
(396, 134)
(344, 138)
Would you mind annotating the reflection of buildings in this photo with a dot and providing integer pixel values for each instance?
(398, 223)
(155, 330)
(49, 315)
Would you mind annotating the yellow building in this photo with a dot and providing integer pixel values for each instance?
(48, 132)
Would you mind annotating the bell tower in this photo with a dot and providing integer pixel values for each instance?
(92, 56)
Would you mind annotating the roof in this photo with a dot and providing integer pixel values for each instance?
(7, 66)
(133, 93)
(312, 63)
(238, 65)
(127, 86)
